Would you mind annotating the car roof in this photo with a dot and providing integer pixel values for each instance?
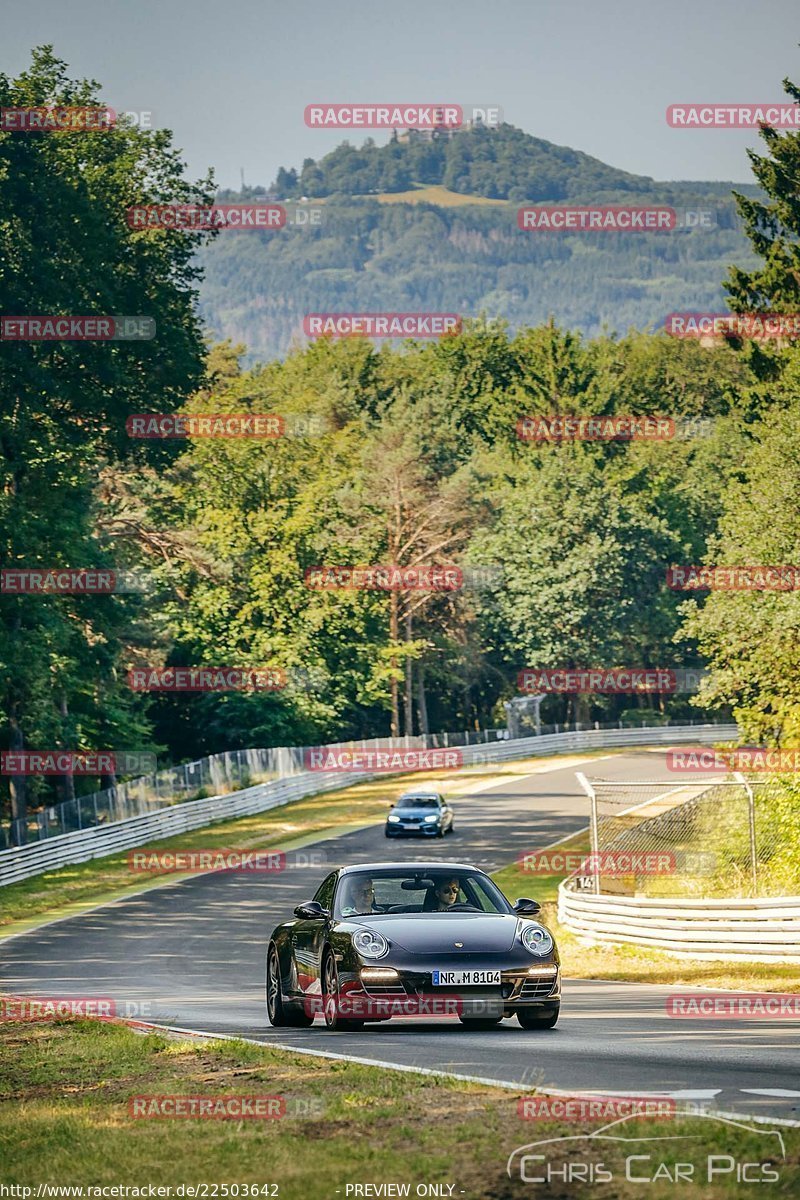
(421, 794)
(412, 867)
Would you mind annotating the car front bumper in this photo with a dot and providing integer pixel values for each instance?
(412, 830)
(536, 990)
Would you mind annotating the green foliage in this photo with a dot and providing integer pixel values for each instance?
(420, 462)
(373, 257)
(65, 248)
(503, 163)
(752, 638)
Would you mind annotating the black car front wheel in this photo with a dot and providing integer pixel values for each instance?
(279, 1012)
(534, 1020)
(331, 1000)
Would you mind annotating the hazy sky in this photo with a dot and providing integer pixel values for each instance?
(231, 77)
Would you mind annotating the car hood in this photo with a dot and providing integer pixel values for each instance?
(426, 933)
(413, 812)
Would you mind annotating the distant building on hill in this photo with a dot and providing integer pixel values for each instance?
(439, 133)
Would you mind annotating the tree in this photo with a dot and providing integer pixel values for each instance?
(773, 229)
(66, 248)
(752, 639)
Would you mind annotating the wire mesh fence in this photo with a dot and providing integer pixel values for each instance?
(717, 837)
(214, 775)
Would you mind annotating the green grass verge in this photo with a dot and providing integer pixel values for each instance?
(633, 964)
(66, 1090)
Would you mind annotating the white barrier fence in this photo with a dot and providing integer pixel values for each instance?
(766, 930)
(22, 862)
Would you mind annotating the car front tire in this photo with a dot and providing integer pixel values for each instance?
(534, 1020)
(480, 1022)
(330, 997)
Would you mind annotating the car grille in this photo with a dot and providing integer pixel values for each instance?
(537, 989)
(383, 989)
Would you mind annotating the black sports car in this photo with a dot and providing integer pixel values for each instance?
(426, 814)
(412, 939)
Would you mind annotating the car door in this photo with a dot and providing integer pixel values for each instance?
(308, 935)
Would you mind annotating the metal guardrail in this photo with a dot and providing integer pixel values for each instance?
(766, 930)
(214, 775)
(22, 862)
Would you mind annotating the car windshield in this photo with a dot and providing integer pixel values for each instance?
(418, 802)
(440, 890)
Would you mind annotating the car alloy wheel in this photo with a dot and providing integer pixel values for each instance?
(330, 999)
(274, 1003)
(279, 1013)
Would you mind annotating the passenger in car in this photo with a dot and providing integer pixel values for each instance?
(442, 895)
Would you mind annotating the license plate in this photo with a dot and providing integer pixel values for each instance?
(461, 978)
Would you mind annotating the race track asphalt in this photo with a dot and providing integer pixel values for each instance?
(191, 955)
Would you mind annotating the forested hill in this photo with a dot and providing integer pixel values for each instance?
(500, 164)
(432, 225)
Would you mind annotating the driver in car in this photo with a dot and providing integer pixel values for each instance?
(360, 896)
(443, 896)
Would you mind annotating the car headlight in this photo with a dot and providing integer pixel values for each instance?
(430, 819)
(393, 818)
(536, 939)
(370, 944)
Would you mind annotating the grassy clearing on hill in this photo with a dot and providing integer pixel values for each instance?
(437, 194)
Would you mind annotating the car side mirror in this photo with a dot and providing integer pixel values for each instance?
(391, 804)
(311, 910)
(527, 908)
